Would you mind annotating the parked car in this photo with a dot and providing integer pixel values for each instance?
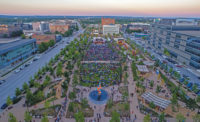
(35, 59)
(4, 106)
(17, 70)
(2, 81)
(10, 107)
(27, 64)
(22, 67)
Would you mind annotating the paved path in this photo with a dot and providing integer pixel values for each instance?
(100, 62)
(133, 100)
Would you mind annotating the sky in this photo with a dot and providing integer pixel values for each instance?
(156, 8)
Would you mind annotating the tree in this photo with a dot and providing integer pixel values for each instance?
(115, 117)
(152, 105)
(110, 103)
(29, 96)
(166, 52)
(180, 117)
(72, 95)
(45, 119)
(79, 117)
(126, 106)
(151, 83)
(162, 117)
(18, 92)
(71, 106)
(196, 118)
(11, 118)
(47, 104)
(170, 70)
(25, 87)
(43, 46)
(84, 103)
(147, 118)
(27, 117)
(198, 99)
(23, 36)
(9, 101)
(51, 43)
(158, 89)
(31, 82)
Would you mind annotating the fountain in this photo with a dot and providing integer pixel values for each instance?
(98, 96)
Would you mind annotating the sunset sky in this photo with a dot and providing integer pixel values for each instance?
(165, 8)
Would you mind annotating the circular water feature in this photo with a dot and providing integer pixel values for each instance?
(98, 99)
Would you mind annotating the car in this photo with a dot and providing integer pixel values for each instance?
(22, 67)
(27, 64)
(2, 81)
(4, 106)
(30, 62)
(10, 107)
(17, 70)
(35, 59)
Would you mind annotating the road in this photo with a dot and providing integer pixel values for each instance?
(16, 80)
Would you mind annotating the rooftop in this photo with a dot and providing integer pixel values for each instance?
(190, 33)
(156, 100)
(142, 68)
(8, 40)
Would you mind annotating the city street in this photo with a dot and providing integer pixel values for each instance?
(16, 80)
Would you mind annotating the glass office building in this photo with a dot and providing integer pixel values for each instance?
(13, 52)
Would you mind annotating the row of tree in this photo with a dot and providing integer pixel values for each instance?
(45, 45)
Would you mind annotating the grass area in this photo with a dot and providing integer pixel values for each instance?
(87, 111)
(121, 107)
(51, 111)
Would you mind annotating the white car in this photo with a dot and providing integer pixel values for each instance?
(17, 70)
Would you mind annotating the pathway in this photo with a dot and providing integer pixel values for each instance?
(133, 100)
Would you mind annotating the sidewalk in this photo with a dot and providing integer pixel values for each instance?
(133, 100)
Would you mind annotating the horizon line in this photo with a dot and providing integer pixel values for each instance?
(101, 16)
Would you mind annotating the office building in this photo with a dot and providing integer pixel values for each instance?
(110, 29)
(36, 26)
(40, 27)
(182, 40)
(14, 51)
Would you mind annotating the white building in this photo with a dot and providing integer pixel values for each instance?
(111, 29)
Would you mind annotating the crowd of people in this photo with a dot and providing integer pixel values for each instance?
(106, 73)
(99, 52)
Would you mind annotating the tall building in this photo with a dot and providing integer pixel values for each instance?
(110, 29)
(36, 26)
(40, 27)
(44, 27)
(180, 39)
(14, 51)
(107, 21)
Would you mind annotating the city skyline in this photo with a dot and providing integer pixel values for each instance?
(161, 8)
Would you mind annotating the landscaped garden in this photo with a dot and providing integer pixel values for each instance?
(83, 107)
